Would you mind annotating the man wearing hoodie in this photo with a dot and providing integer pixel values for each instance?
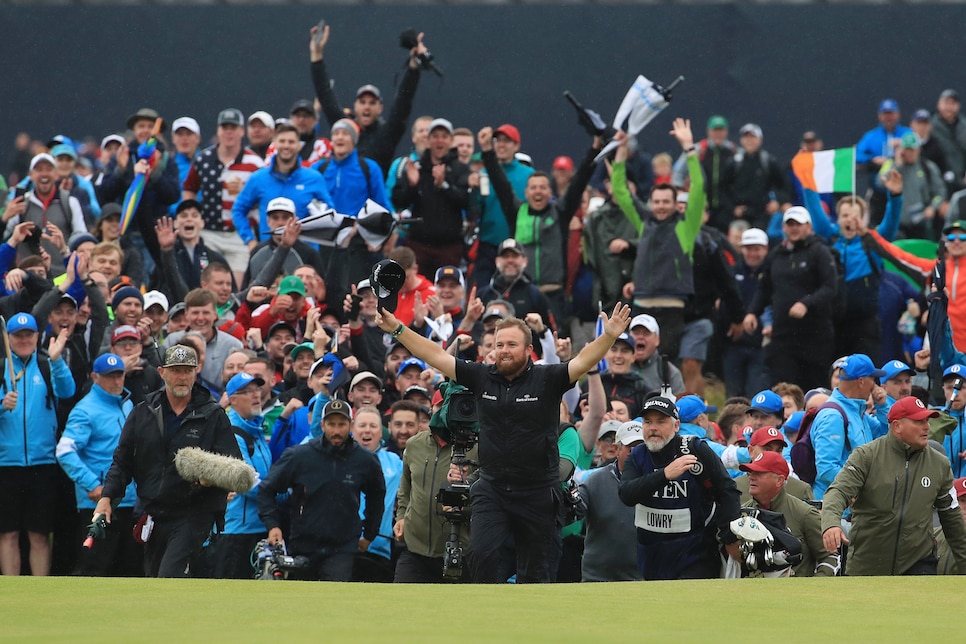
(510, 283)
(326, 476)
(232, 547)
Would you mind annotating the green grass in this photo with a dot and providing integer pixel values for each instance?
(755, 610)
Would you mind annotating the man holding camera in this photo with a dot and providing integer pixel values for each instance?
(378, 137)
(326, 476)
(519, 410)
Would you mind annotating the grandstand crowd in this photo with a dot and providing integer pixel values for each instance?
(740, 276)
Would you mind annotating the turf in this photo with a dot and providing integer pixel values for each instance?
(756, 610)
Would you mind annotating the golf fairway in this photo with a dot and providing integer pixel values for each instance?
(802, 610)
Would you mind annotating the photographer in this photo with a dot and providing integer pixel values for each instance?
(326, 476)
(519, 406)
(436, 188)
(427, 467)
(378, 137)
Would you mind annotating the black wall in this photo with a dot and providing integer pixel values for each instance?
(83, 70)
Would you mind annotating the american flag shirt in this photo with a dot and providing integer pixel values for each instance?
(216, 186)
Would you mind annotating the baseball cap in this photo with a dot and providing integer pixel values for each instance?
(512, 133)
(630, 432)
(767, 462)
(41, 158)
(690, 407)
(794, 422)
(797, 213)
(291, 284)
(626, 339)
(241, 380)
(607, 427)
(112, 138)
(339, 407)
(767, 402)
(764, 435)
(395, 344)
(330, 360)
(814, 392)
(956, 225)
(144, 114)
(511, 244)
(909, 141)
(960, 486)
(717, 122)
(754, 237)
(63, 150)
(281, 325)
(231, 116)
(524, 158)
(894, 368)
(264, 118)
(363, 376)
(187, 123)
(108, 363)
(649, 322)
(494, 312)
(22, 322)
(682, 197)
(949, 93)
(386, 278)
(186, 204)
(180, 356)
(176, 310)
(563, 163)
(921, 115)
(410, 362)
(155, 297)
(298, 348)
(889, 105)
(750, 128)
(954, 370)
(281, 203)
(67, 297)
(443, 123)
(859, 365)
(370, 89)
(449, 271)
(662, 405)
(911, 407)
(302, 105)
(412, 390)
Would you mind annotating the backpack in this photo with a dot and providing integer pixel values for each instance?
(803, 453)
(249, 439)
(43, 363)
(362, 166)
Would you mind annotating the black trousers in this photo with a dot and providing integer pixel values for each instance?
(805, 361)
(117, 554)
(417, 569)
(529, 515)
(176, 542)
(230, 555)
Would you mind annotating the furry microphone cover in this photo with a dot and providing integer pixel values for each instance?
(232, 474)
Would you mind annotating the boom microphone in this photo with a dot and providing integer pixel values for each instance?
(232, 474)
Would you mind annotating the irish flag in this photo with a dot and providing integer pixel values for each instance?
(826, 171)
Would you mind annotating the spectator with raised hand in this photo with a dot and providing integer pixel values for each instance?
(378, 137)
(538, 223)
(713, 152)
(663, 279)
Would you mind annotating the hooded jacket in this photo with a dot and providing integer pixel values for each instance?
(86, 449)
(241, 515)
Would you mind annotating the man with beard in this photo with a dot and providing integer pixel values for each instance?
(685, 500)
(519, 404)
(180, 415)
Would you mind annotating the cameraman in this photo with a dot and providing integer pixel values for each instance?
(427, 467)
(436, 189)
(519, 405)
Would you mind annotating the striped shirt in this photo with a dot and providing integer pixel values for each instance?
(216, 184)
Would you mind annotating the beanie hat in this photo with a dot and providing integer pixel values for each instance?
(124, 293)
(349, 126)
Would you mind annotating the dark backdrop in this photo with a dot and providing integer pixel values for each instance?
(83, 70)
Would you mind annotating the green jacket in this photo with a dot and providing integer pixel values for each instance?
(896, 489)
(805, 522)
(425, 465)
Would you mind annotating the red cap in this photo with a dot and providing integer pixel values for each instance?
(437, 397)
(765, 435)
(960, 486)
(510, 131)
(767, 462)
(563, 163)
(124, 331)
(911, 407)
